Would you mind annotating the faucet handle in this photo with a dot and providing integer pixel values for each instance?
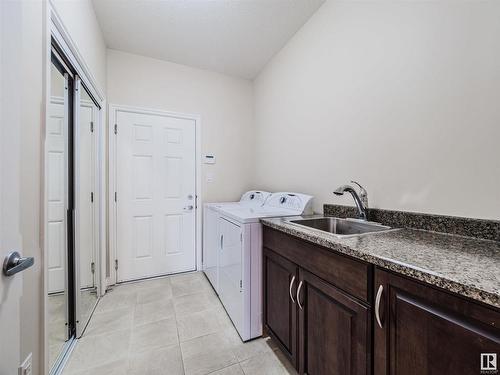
(363, 193)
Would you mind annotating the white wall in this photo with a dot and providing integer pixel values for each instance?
(225, 105)
(402, 96)
(79, 18)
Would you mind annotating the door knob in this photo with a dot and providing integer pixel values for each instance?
(189, 208)
(14, 263)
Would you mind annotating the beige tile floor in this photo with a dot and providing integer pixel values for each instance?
(169, 326)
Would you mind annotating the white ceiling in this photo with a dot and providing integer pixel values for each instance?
(235, 37)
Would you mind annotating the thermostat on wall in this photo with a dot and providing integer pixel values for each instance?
(209, 159)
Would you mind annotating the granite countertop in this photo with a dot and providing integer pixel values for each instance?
(464, 265)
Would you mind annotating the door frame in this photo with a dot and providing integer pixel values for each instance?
(113, 110)
(54, 29)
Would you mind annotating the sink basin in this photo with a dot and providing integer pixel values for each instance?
(341, 227)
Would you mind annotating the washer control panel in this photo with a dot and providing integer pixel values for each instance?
(255, 197)
(300, 203)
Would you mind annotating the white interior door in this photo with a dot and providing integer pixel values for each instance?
(11, 153)
(10, 239)
(230, 270)
(56, 143)
(155, 195)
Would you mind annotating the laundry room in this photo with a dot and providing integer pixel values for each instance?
(249, 187)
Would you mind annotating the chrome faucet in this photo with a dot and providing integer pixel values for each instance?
(361, 200)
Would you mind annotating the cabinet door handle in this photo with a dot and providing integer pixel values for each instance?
(221, 241)
(377, 305)
(298, 295)
(290, 289)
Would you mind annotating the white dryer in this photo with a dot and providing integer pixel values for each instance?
(240, 257)
(252, 198)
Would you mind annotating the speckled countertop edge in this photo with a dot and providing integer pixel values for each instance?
(427, 275)
(479, 228)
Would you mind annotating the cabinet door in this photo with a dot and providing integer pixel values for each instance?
(280, 311)
(422, 330)
(334, 330)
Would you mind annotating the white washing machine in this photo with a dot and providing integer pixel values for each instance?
(252, 198)
(239, 263)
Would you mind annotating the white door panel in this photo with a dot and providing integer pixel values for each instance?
(56, 143)
(156, 186)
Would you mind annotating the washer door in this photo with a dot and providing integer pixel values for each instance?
(230, 270)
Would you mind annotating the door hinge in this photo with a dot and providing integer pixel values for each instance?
(92, 197)
(241, 284)
(116, 128)
(91, 126)
(92, 267)
(116, 264)
(116, 196)
(241, 237)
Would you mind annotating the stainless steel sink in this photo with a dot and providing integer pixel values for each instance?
(341, 227)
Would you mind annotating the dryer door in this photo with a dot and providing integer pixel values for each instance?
(211, 245)
(230, 270)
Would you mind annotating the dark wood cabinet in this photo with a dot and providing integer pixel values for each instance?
(280, 312)
(320, 327)
(334, 329)
(348, 274)
(424, 330)
(335, 315)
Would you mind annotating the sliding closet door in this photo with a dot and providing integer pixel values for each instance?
(72, 213)
(85, 211)
(58, 206)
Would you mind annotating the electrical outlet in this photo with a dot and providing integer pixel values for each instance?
(26, 367)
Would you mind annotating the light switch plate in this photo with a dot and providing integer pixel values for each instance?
(210, 177)
(26, 367)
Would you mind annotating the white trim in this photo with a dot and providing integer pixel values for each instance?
(111, 278)
(113, 109)
(54, 28)
(70, 49)
(47, 65)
